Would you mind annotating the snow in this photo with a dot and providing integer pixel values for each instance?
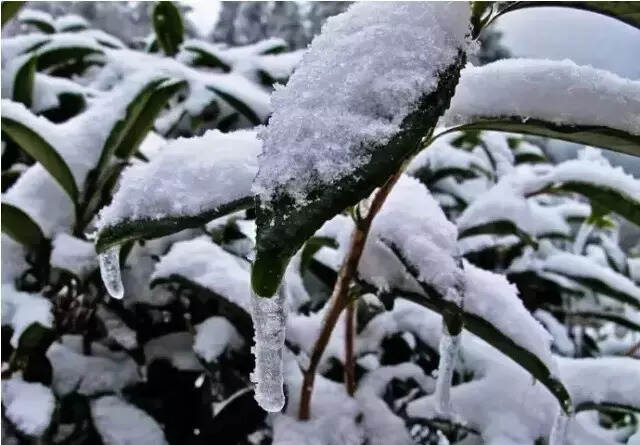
(215, 169)
(13, 259)
(103, 371)
(73, 254)
(176, 347)
(398, 51)
(558, 331)
(67, 21)
(269, 317)
(29, 406)
(440, 155)
(121, 423)
(205, 263)
(36, 16)
(110, 271)
(559, 92)
(214, 337)
(21, 309)
(493, 298)
(576, 266)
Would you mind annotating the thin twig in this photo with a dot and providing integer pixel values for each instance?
(340, 295)
(349, 344)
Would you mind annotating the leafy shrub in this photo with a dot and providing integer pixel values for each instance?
(480, 290)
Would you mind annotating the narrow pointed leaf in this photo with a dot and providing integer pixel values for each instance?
(23, 83)
(37, 147)
(168, 27)
(9, 10)
(19, 226)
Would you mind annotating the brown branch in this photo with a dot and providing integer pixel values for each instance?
(349, 344)
(340, 295)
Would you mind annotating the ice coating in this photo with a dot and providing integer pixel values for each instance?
(269, 319)
(357, 82)
(110, 271)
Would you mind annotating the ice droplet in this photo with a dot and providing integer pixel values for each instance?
(110, 271)
(269, 318)
(559, 429)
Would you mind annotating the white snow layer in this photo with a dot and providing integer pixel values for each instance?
(74, 255)
(28, 406)
(21, 309)
(214, 337)
(357, 82)
(121, 423)
(214, 169)
(560, 92)
(207, 264)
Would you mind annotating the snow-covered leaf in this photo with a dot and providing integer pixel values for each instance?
(121, 423)
(19, 226)
(366, 123)
(556, 99)
(23, 82)
(37, 146)
(167, 24)
(475, 320)
(40, 19)
(156, 199)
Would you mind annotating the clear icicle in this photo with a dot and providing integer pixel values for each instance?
(269, 319)
(559, 429)
(110, 271)
(448, 350)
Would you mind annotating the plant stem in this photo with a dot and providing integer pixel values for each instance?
(350, 359)
(340, 295)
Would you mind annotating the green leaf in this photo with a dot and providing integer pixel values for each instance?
(206, 58)
(38, 148)
(127, 134)
(238, 105)
(42, 25)
(312, 245)
(485, 13)
(57, 56)
(19, 226)
(10, 9)
(595, 136)
(152, 228)
(30, 357)
(601, 287)
(145, 119)
(502, 227)
(605, 198)
(167, 24)
(284, 225)
(593, 315)
(23, 82)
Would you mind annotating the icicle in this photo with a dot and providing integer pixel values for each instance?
(269, 318)
(559, 429)
(448, 350)
(581, 237)
(110, 271)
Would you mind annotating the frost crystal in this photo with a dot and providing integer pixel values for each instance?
(269, 319)
(110, 271)
(360, 78)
